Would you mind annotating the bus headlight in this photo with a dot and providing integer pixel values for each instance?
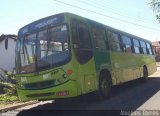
(62, 79)
(64, 76)
(20, 85)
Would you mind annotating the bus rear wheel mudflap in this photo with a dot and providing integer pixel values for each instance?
(105, 84)
(145, 73)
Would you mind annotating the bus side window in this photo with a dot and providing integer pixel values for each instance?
(149, 48)
(81, 41)
(136, 46)
(143, 47)
(114, 42)
(153, 52)
(99, 37)
(127, 45)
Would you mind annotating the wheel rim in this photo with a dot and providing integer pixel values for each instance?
(145, 75)
(104, 87)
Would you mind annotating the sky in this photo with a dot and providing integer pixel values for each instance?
(133, 16)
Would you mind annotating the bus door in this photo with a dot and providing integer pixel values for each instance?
(84, 56)
(101, 53)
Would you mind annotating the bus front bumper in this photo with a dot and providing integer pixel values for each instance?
(65, 90)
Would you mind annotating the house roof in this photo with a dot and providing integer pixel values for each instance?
(156, 43)
(9, 36)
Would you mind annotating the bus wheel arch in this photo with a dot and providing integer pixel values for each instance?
(105, 83)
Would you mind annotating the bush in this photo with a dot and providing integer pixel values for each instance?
(8, 94)
(7, 88)
(6, 98)
(2, 86)
(10, 91)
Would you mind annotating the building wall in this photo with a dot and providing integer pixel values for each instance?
(7, 57)
(156, 43)
(156, 46)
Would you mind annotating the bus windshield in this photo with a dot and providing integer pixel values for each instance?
(43, 49)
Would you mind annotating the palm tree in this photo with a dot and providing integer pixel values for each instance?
(155, 4)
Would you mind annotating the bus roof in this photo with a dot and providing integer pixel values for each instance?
(108, 27)
(42, 23)
(59, 18)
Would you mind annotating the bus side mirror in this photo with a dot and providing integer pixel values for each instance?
(6, 43)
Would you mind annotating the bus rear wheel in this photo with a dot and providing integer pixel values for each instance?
(145, 73)
(104, 86)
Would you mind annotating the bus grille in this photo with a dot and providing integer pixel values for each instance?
(39, 85)
(41, 95)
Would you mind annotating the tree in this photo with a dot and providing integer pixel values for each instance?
(155, 4)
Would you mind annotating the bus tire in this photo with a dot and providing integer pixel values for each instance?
(145, 73)
(105, 84)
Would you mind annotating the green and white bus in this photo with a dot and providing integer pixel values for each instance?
(66, 55)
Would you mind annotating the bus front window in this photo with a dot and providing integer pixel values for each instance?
(52, 47)
(28, 54)
(42, 50)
